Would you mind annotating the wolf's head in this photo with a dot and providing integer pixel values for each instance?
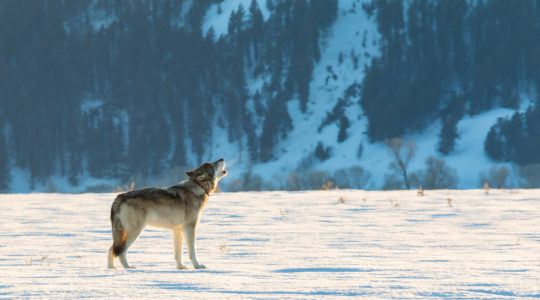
(208, 174)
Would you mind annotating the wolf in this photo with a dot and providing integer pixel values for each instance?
(177, 207)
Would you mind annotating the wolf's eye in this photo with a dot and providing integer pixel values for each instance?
(210, 170)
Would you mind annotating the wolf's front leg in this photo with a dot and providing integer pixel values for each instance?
(177, 238)
(189, 231)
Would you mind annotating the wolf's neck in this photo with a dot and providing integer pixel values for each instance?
(206, 186)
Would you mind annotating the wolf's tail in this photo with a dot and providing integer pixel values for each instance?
(118, 231)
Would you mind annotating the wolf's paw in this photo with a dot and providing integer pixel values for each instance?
(181, 267)
(199, 267)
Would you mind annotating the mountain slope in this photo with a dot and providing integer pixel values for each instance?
(293, 94)
(347, 48)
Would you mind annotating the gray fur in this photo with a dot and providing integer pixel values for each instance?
(177, 207)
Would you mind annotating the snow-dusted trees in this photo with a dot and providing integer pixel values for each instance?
(446, 59)
(155, 82)
(516, 139)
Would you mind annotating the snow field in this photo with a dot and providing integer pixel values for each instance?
(318, 244)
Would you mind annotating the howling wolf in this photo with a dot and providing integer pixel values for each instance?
(177, 208)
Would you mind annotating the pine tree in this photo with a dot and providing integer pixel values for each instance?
(276, 124)
(75, 169)
(493, 145)
(270, 4)
(448, 135)
(343, 126)
(256, 25)
(4, 164)
(323, 152)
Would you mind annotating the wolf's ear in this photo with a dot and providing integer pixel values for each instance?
(203, 177)
(190, 173)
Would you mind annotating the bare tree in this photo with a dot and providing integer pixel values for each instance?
(403, 152)
(530, 175)
(439, 175)
(497, 177)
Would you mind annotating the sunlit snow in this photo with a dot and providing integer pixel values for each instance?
(445, 244)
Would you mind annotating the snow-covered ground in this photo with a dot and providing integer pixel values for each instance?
(458, 244)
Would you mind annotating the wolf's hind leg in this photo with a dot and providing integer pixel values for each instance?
(123, 260)
(111, 258)
(130, 238)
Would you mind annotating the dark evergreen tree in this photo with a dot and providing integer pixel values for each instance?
(493, 145)
(323, 152)
(276, 125)
(448, 135)
(270, 4)
(5, 177)
(256, 25)
(343, 126)
(75, 169)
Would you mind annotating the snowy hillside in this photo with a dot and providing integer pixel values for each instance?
(349, 46)
(292, 94)
(273, 245)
